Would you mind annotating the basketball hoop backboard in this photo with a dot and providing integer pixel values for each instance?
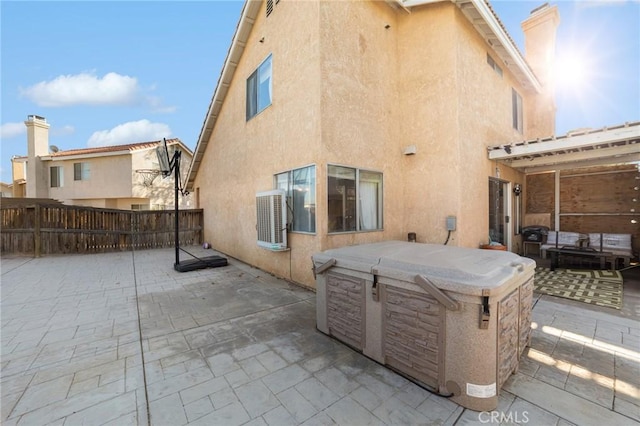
(163, 158)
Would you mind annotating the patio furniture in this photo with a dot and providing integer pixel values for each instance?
(573, 251)
(618, 244)
(557, 239)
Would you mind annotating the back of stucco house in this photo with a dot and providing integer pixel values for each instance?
(375, 116)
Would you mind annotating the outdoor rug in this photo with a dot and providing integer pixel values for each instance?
(602, 288)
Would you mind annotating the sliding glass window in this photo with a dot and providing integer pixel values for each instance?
(354, 199)
(300, 185)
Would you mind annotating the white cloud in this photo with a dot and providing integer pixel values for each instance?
(63, 131)
(11, 130)
(600, 3)
(156, 105)
(131, 132)
(84, 89)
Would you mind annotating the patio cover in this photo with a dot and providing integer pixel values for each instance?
(606, 146)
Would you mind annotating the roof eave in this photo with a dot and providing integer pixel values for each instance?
(412, 3)
(64, 157)
(238, 43)
(511, 56)
(495, 35)
(126, 150)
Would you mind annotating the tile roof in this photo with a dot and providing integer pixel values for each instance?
(113, 148)
(504, 28)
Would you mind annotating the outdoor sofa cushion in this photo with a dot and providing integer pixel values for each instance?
(618, 244)
(564, 239)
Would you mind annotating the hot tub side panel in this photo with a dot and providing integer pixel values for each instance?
(508, 335)
(412, 336)
(471, 355)
(526, 307)
(346, 308)
(479, 361)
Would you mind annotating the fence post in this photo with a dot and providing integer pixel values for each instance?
(135, 224)
(37, 237)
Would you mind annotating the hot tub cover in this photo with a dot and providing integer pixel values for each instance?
(458, 269)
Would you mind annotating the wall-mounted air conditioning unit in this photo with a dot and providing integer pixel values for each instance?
(271, 208)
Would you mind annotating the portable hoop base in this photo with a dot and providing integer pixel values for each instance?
(173, 165)
(201, 263)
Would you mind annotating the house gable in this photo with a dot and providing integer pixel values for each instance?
(236, 49)
(358, 89)
(478, 12)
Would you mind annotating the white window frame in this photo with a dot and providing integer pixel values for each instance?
(517, 111)
(358, 220)
(81, 171)
(58, 182)
(284, 180)
(492, 63)
(255, 90)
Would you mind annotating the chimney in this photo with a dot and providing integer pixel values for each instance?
(540, 50)
(540, 42)
(37, 147)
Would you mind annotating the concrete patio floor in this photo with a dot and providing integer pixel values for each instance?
(121, 338)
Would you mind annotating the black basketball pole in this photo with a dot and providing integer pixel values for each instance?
(176, 168)
(197, 263)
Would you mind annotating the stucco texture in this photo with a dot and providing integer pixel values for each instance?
(354, 84)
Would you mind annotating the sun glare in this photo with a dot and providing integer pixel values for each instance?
(571, 73)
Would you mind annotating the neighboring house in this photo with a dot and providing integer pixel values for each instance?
(375, 117)
(123, 177)
(18, 176)
(6, 189)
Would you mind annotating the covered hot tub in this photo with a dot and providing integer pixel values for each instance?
(452, 319)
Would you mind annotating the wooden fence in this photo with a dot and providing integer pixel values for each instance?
(59, 229)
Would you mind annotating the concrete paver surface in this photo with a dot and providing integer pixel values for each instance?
(122, 338)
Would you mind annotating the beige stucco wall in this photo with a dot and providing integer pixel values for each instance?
(349, 91)
(6, 189)
(161, 191)
(110, 177)
(485, 118)
(429, 120)
(18, 176)
(19, 190)
(452, 113)
(115, 183)
(540, 34)
(37, 146)
(18, 168)
(243, 156)
(359, 108)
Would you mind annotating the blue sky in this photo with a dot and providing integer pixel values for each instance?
(106, 73)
